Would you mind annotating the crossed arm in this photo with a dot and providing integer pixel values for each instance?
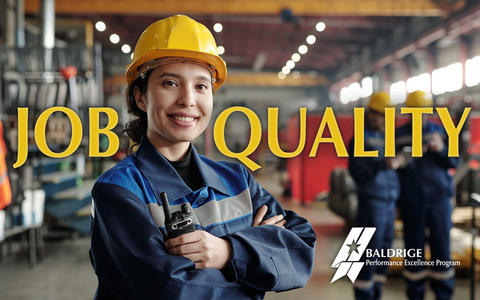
(129, 252)
(209, 251)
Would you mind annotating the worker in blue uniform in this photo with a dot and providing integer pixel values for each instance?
(244, 244)
(378, 190)
(426, 192)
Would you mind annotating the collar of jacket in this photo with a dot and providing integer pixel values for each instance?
(163, 177)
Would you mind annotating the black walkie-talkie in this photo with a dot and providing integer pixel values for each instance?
(179, 222)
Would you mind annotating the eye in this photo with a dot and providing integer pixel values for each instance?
(169, 83)
(202, 86)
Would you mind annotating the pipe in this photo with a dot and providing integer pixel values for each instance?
(48, 31)
(20, 24)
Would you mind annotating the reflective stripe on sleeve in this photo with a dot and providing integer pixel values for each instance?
(379, 278)
(415, 276)
(442, 275)
(212, 212)
(363, 284)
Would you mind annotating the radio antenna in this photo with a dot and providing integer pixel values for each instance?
(166, 206)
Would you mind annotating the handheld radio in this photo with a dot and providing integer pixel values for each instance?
(179, 222)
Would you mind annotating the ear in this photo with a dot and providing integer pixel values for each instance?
(140, 99)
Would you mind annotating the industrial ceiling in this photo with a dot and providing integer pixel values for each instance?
(262, 35)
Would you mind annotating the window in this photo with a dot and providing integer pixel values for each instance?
(472, 71)
(447, 79)
(367, 87)
(398, 92)
(350, 93)
(420, 82)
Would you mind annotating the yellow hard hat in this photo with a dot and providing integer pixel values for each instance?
(378, 102)
(177, 37)
(418, 99)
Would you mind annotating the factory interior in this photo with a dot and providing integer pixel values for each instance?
(297, 71)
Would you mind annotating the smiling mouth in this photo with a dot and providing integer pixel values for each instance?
(184, 119)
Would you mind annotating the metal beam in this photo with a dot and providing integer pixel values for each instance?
(459, 24)
(247, 7)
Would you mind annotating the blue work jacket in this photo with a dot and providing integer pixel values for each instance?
(426, 178)
(128, 233)
(374, 180)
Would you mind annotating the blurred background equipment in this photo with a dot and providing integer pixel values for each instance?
(475, 202)
(342, 198)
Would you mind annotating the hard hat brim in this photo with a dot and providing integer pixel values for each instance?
(215, 61)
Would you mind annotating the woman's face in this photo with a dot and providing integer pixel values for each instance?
(178, 103)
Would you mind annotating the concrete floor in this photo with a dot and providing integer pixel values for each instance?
(65, 271)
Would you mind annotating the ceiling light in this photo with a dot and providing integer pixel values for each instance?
(220, 50)
(281, 75)
(100, 26)
(296, 57)
(218, 27)
(290, 64)
(114, 38)
(126, 48)
(285, 70)
(320, 26)
(302, 49)
(311, 39)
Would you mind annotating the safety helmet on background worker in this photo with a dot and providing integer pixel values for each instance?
(379, 101)
(177, 37)
(418, 99)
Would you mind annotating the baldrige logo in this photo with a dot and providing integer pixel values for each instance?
(347, 260)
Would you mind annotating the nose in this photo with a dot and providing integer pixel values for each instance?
(186, 97)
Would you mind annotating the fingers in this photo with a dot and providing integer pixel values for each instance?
(258, 219)
(424, 149)
(436, 144)
(186, 238)
(208, 252)
(273, 220)
(388, 162)
(204, 256)
(195, 257)
(281, 223)
(394, 162)
(260, 215)
(202, 265)
(186, 249)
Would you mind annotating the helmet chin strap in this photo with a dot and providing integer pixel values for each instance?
(152, 64)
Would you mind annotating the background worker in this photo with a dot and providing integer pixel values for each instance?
(378, 190)
(426, 190)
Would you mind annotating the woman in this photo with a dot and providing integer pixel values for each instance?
(175, 70)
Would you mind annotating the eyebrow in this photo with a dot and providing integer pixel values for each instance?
(180, 77)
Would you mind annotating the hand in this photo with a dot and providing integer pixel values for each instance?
(201, 247)
(395, 162)
(436, 143)
(277, 220)
(424, 149)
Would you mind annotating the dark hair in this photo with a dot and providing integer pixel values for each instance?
(135, 129)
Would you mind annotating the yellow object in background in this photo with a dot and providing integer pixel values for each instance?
(418, 99)
(379, 101)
